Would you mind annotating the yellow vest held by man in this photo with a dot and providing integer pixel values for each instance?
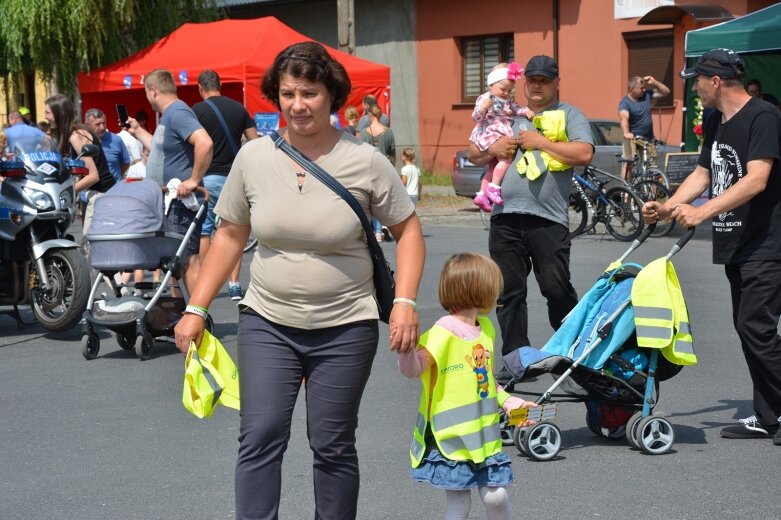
(553, 125)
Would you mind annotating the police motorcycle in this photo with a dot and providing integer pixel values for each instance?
(41, 265)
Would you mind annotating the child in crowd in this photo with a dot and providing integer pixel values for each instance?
(454, 362)
(410, 174)
(493, 115)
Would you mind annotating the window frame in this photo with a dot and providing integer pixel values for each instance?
(506, 54)
(635, 66)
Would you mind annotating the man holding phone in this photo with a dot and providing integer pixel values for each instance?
(113, 146)
(133, 145)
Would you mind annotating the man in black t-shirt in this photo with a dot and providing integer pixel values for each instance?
(740, 164)
(225, 120)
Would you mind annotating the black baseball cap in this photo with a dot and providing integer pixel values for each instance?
(542, 66)
(723, 63)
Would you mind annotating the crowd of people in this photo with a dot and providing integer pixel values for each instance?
(309, 317)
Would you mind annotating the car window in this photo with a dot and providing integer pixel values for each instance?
(610, 131)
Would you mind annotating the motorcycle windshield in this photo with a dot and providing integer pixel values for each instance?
(38, 155)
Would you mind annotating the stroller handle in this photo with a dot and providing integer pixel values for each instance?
(638, 241)
(203, 191)
(681, 242)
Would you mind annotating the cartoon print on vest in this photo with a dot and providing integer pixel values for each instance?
(479, 361)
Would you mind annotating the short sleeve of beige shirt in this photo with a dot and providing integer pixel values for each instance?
(312, 267)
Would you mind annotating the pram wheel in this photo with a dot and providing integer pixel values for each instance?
(90, 346)
(505, 430)
(144, 346)
(605, 433)
(518, 435)
(542, 441)
(655, 435)
(631, 429)
(125, 342)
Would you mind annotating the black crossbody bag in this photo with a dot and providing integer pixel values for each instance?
(384, 284)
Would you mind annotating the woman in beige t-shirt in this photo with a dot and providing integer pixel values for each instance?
(309, 312)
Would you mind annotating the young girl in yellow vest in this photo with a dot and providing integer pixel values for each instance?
(456, 443)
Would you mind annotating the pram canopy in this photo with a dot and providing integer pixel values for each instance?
(128, 208)
(126, 230)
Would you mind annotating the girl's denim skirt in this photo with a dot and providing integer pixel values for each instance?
(455, 475)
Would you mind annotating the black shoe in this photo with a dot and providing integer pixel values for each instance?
(748, 428)
(777, 438)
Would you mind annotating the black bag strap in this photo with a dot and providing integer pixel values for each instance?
(334, 185)
(228, 135)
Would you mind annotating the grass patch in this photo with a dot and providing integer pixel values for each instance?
(431, 179)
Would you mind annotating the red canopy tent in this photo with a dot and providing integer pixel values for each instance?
(239, 51)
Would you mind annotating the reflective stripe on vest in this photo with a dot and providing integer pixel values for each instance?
(462, 403)
(661, 317)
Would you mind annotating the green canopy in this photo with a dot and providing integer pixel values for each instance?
(759, 31)
(756, 37)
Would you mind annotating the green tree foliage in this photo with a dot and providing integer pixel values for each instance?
(59, 38)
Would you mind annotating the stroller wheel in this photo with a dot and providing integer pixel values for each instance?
(90, 346)
(542, 441)
(518, 435)
(605, 433)
(655, 435)
(505, 430)
(125, 342)
(631, 429)
(144, 346)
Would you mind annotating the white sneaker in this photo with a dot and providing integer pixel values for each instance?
(379, 236)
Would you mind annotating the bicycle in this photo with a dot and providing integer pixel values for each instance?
(643, 164)
(618, 207)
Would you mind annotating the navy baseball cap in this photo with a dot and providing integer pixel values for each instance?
(723, 63)
(542, 66)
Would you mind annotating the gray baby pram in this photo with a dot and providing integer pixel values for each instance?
(125, 235)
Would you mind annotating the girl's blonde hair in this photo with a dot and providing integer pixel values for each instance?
(469, 280)
(409, 154)
(351, 114)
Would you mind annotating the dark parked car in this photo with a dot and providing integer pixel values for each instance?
(607, 138)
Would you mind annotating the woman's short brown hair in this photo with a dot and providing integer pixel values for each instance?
(469, 280)
(310, 61)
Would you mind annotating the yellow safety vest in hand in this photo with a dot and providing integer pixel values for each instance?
(553, 125)
(460, 401)
(210, 378)
(661, 317)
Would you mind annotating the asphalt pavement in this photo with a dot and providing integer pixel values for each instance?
(109, 438)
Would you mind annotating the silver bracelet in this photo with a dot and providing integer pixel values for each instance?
(411, 303)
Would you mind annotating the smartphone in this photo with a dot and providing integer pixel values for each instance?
(122, 114)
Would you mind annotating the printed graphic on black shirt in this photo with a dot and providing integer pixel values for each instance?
(726, 170)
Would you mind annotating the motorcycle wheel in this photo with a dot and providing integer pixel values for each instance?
(60, 308)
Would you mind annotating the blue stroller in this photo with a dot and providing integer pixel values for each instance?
(602, 356)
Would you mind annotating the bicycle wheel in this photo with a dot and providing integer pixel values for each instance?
(578, 215)
(649, 190)
(623, 218)
(656, 174)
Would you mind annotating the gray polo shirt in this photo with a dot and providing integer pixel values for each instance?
(547, 196)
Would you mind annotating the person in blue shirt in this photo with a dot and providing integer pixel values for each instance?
(17, 129)
(116, 153)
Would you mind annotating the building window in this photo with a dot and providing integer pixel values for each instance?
(480, 54)
(651, 54)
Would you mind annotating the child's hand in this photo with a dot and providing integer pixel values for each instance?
(486, 104)
(513, 403)
(529, 113)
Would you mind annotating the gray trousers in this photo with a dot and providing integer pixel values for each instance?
(273, 359)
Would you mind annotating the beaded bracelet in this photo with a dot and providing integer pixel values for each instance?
(411, 303)
(197, 310)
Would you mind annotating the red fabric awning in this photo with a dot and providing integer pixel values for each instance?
(239, 51)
